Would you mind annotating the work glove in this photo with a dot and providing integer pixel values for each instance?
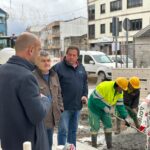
(127, 123)
(107, 110)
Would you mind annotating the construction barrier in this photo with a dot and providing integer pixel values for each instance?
(142, 73)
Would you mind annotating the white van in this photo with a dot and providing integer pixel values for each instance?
(5, 54)
(97, 64)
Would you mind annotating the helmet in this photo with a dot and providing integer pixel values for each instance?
(122, 82)
(135, 82)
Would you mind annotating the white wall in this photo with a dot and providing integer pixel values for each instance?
(76, 27)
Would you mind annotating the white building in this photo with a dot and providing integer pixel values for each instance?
(53, 35)
(100, 13)
(58, 30)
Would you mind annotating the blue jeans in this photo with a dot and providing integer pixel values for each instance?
(67, 127)
(50, 137)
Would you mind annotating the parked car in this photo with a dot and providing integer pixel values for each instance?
(97, 64)
(6, 53)
(121, 60)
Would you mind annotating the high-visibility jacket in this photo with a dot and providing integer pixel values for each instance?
(105, 95)
(108, 93)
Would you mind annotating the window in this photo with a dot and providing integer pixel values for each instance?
(102, 8)
(91, 31)
(102, 59)
(80, 59)
(136, 24)
(120, 26)
(2, 20)
(102, 28)
(116, 5)
(134, 3)
(91, 12)
(87, 59)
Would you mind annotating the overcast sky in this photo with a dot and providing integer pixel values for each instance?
(23, 13)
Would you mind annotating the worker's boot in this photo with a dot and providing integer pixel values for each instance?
(136, 122)
(118, 126)
(94, 140)
(108, 138)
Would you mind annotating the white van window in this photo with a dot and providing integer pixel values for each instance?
(80, 59)
(102, 58)
(87, 59)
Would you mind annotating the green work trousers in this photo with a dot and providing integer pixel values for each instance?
(94, 121)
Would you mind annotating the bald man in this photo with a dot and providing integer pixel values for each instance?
(22, 107)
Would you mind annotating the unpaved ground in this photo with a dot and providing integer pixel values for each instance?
(129, 139)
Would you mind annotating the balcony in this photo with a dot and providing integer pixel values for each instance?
(55, 34)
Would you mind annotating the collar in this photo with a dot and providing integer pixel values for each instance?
(22, 62)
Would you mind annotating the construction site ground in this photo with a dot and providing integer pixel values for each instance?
(128, 139)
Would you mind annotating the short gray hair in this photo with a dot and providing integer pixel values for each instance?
(44, 53)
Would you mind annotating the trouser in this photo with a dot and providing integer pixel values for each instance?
(94, 121)
(118, 126)
(132, 114)
(67, 127)
(50, 137)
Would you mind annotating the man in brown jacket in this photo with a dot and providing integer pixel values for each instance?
(49, 86)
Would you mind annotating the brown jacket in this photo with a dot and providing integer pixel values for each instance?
(52, 89)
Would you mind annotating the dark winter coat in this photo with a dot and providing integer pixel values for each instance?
(53, 89)
(22, 109)
(131, 99)
(73, 83)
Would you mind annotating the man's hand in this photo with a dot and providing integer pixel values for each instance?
(107, 110)
(134, 110)
(84, 99)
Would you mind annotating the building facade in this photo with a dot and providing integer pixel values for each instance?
(142, 48)
(53, 35)
(3, 22)
(59, 30)
(79, 41)
(100, 14)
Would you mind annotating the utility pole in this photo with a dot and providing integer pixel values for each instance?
(87, 27)
(10, 4)
(115, 33)
(126, 26)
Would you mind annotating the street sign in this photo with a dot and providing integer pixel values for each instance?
(115, 26)
(126, 24)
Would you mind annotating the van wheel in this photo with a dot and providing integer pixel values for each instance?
(101, 77)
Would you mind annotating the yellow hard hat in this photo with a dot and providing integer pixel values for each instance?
(122, 82)
(135, 82)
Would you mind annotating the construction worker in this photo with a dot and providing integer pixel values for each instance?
(131, 102)
(105, 95)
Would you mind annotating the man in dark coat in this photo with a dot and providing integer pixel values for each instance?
(49, 86)
(22, 107)
(74, 86)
